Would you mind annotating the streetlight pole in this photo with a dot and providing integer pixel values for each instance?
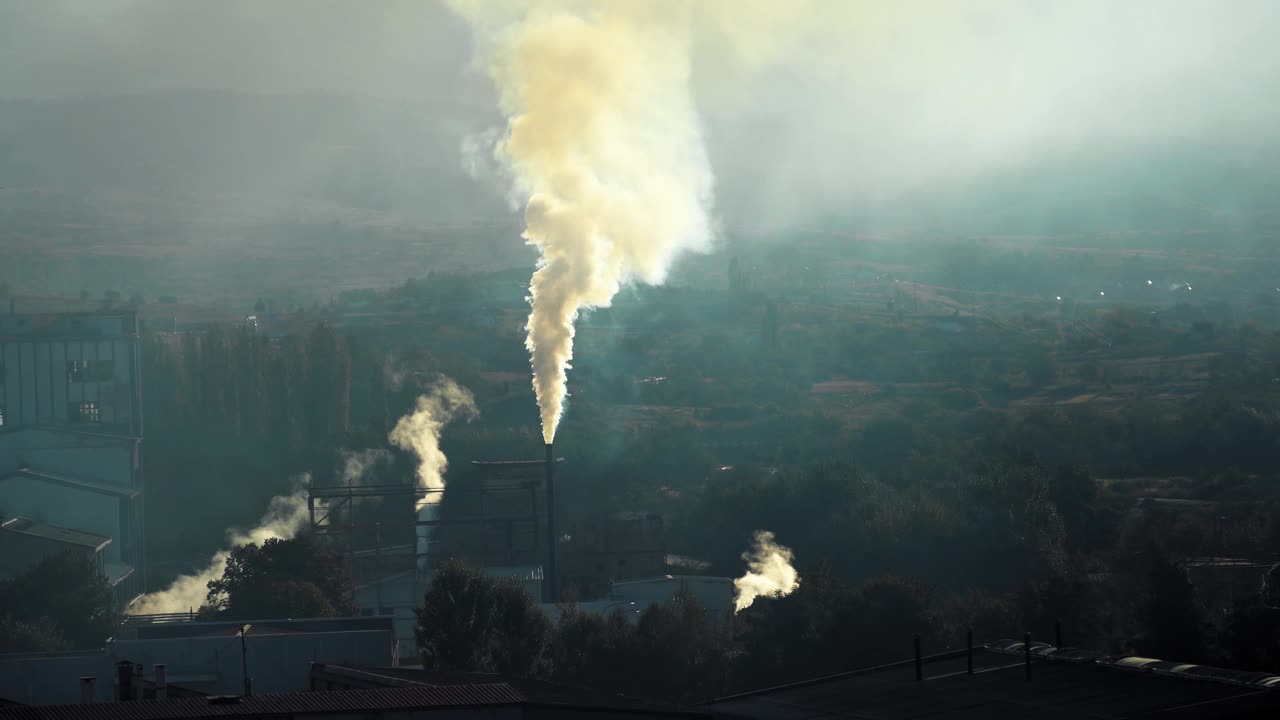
(244, 660)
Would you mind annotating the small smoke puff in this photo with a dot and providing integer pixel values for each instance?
(356, 465)
(769, 572)
(285, 517)
(419, 433)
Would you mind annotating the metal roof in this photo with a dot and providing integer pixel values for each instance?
(35, 528)
(317, 702)
(534, 692)
(1078, 684)
(513, 463)
(144, 627)
(78, 483)
(103, 433)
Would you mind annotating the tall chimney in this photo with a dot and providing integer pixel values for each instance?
(551, 577)
(86, 690)
(137, 682)
(124, 679)
(162, 683)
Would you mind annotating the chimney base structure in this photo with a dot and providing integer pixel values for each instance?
(551, 576)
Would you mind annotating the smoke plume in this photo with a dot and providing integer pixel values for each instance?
(285, 517)
(604, 142)
(769, 572)
(419, 433)
(357, 465)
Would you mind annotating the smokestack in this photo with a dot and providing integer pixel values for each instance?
(551, 577)
(137, 682)
(1026, 649)
(86, 690)
(162, 682)
(124, 678)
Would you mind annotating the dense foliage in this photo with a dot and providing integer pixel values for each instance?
(1007, 472)
(60, 603)
(279, 579)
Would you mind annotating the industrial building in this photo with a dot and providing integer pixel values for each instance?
(1004, 679)
(200, 658)
(71, 440)
(497, 521)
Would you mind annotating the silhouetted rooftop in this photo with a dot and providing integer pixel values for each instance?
(1065, 683)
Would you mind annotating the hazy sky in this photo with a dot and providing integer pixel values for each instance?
(59, 48)
(858, 96)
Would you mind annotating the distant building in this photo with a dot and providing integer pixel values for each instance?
(397, 595)
(27, 542)
(620, 547)
(71, 432)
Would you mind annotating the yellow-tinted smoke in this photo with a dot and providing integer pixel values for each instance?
(419, 433)
(604, 142)
(769, 572)
(285, 517)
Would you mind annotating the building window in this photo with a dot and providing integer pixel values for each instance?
(84, 412)
(79, 371)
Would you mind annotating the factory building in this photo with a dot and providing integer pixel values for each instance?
(198, 658)
(70, 438)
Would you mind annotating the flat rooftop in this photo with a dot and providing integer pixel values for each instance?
(35, 528)
(1064, 683)
(513, 463)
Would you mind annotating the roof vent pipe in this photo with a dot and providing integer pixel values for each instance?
(124, 681)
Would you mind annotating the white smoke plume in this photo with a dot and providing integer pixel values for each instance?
(285, 517)
(604, 144)
(357, 464)
(769, 572)
(419, 433)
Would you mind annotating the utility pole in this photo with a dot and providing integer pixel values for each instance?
(244, 660)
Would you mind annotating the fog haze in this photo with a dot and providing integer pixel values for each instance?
(859, 115)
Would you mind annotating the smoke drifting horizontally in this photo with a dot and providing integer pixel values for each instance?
(769, 572)
(285, 517)
(605, 143)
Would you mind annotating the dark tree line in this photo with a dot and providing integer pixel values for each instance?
(231, 418)
(279, 579)
(60, 603)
